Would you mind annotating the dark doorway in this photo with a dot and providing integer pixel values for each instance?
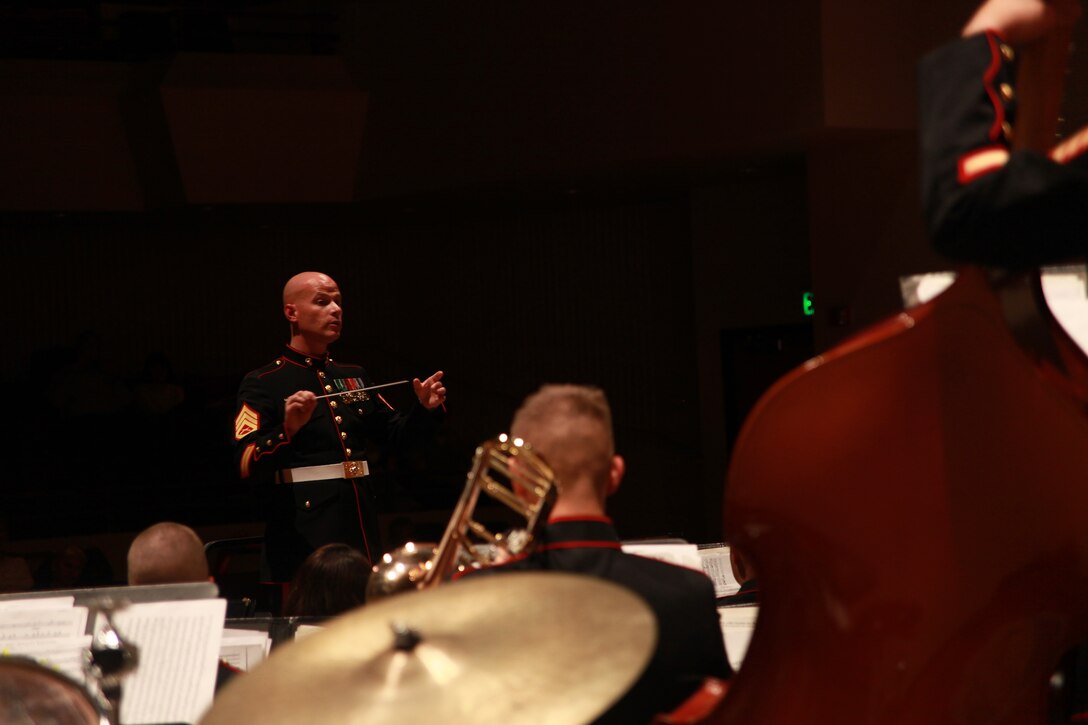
(752, 360)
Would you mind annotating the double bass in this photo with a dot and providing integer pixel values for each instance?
(916, 503)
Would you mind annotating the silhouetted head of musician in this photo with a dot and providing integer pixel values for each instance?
(167, 553)
(332, 580)
(570, 426)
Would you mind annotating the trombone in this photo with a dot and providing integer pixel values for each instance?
(510, 472)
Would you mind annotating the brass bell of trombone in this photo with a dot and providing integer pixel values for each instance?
(510, 472)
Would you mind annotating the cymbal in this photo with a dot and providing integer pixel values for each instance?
(542, 647)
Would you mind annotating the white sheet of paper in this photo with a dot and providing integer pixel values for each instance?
(64, 655)
(179, 651)
(679, 554)
(244, 648)
(738, 623)
(20, 623)
(715, 561)
(305, 630)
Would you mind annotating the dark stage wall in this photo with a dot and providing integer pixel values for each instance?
(502, 300)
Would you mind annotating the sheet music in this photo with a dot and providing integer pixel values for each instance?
(686, 555)
(244, 649)
(179, 650)
(63, 655)
(738, 624)
(715, 561)
(31, 623)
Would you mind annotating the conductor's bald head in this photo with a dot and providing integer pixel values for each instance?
(167, 553)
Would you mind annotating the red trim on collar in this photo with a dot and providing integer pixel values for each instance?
(988, 83)
(562, 519)
(581, 545)
(306, 354)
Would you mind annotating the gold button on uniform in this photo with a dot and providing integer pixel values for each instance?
(1006, 131)
(321, 375)
(338, 420)
(343, 436)
(309, 361)
(328, 388)
(1007, 53)
(332, 404)
(306, 505)
(1007, 93)
(347, 451)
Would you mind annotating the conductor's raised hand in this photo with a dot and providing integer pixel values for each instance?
(297, 411)
(431, 392)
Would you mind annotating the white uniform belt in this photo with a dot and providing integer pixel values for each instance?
(346, 469)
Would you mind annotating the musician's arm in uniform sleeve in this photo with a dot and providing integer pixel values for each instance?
(260, 439)
(983, 202)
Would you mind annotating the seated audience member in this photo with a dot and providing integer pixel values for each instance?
(330, 581)
(167, 553)
(570, 426)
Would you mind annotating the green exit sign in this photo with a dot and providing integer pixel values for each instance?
(806, 304)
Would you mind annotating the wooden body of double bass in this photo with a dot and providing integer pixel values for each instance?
(916, 504)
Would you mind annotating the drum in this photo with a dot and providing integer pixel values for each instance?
(32, 693)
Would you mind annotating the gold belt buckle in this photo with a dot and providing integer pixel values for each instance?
(354, 469)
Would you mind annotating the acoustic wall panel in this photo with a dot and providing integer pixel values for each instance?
(264, 129)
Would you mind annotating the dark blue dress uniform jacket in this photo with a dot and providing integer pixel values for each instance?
(689, 644)
(985, 203)
(304, 516)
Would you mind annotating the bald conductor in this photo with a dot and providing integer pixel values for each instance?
(293, 429)
(167, 553)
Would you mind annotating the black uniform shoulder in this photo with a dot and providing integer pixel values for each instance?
(272, 366)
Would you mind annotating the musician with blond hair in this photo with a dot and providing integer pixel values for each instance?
(570, 426)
